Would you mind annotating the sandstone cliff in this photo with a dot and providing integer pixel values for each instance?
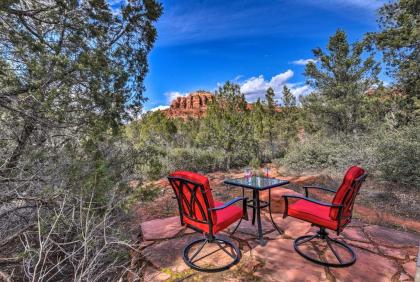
(193, 105)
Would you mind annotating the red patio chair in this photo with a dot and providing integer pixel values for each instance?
(334, 216)
(200, 212)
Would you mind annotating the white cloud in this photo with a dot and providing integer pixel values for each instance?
(298, 91)
(172, 95)
(368, 4)
(302, 62)
(256, 87)
(279, 80)
(159, 108)
(238, 77)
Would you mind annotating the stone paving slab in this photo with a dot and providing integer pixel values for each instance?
(160, 229)
(281, 263)
(388, 236)
(368, 267)
(383, 254)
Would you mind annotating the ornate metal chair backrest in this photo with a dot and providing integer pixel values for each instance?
(351, 196)
(193, 202)
(347, 193)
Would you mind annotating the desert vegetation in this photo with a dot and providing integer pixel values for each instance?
(350, 117)
(73, 144)
(71, 74)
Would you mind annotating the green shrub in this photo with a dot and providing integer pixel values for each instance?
(398, 154)
(391, 155)
(195, 159)
(335, 153)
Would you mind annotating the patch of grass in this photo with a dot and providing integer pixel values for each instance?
(178, 276)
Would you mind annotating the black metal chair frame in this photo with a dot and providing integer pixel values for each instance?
(206, 215)
(322, 233)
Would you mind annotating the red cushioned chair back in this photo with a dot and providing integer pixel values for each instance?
(347, 192)
(194, 196)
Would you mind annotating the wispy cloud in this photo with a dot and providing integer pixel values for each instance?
(303, 62)
(238, 77)
(303, 90)
(159, 108)
(172, 95)
(364, 4)
(191, 21)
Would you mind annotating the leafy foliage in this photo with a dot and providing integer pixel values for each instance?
(71, 73)
(398, 154)
(340, 82)
(399, 39)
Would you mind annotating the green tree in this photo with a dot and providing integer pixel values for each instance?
(71, 73)
(340, 81)
(271, 103)
(258, 118)
(270, 124)
(288, 116)
(72, 64)
(399, 39)
(226, 125)
(289, 100)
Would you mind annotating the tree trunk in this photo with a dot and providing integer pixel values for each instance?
(22, 141)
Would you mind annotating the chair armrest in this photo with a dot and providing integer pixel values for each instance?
(317, 187)
(311, 200)
(231, 202)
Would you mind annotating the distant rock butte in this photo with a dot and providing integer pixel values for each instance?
(192, 105)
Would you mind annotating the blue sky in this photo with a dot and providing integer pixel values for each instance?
(202, 44)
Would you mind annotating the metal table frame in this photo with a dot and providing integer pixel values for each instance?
(256, 204)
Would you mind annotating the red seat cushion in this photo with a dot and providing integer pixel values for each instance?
(352, 173)
(225, 217)
(313, 213)
(200, 179)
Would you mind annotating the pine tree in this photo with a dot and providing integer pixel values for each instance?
(289, 100)
(289, 116)
(270, 121)
(340, 81)
(271, 103)
(226, 125)
(399, 39)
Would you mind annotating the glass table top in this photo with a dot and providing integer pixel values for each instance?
(256, 182)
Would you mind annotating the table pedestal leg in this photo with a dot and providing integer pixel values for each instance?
(254, 198)
(271, 216)
(260, 233)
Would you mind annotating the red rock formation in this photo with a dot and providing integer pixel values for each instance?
(193, 105)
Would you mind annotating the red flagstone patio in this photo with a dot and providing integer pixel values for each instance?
(383, 254)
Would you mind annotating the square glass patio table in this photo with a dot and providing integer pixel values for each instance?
(258, 184)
